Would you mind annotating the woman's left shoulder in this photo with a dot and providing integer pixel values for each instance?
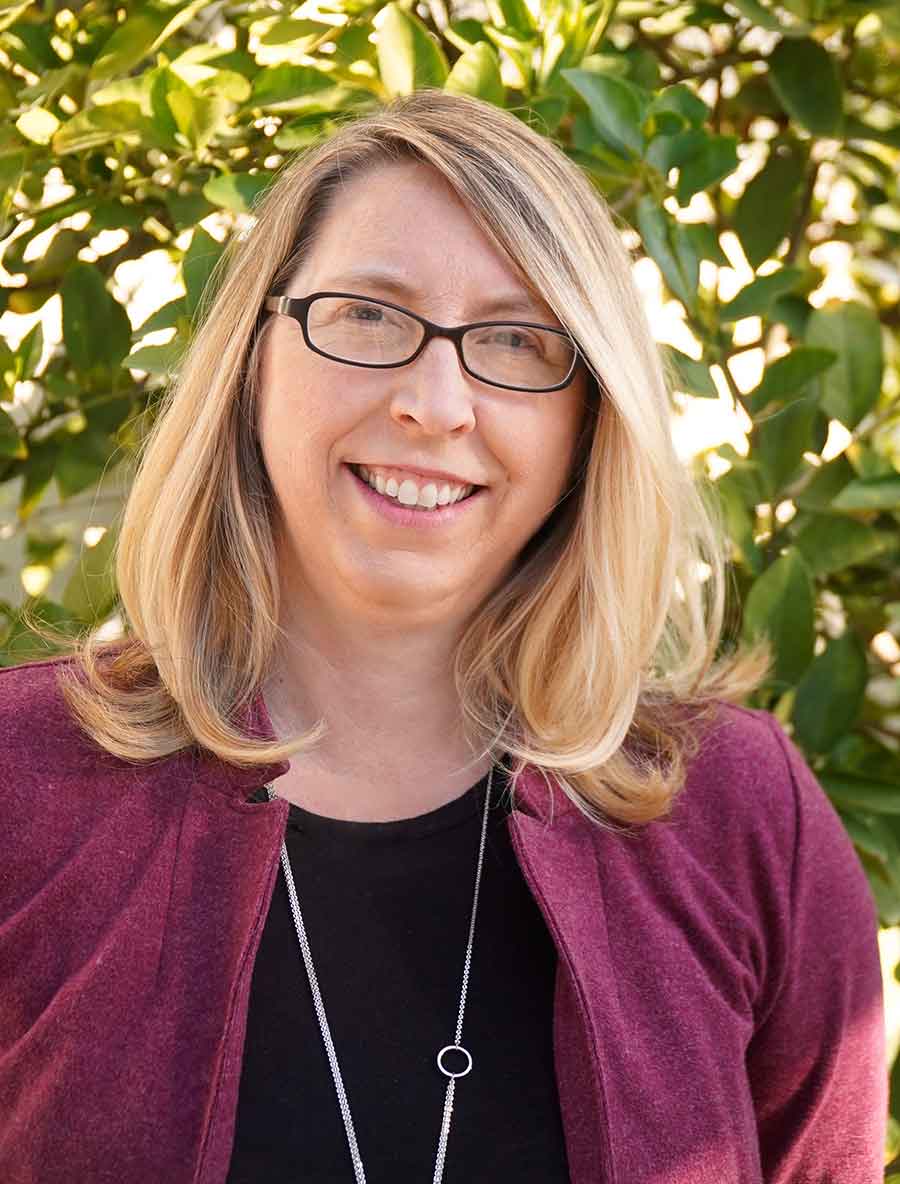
(747, 769)
(750, 795)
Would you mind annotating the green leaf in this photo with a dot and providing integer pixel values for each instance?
(857, 129)
(861, 793)
(102, 125)
(716, 159)
(90, 593)
(57, 257)
(206, 79)
(688, 375)
(157, 359)
(166, 317)
(187, 209)
(829, 479)
(409, 58)
(792, 310)
(831, 692)
(463, 33)
(790, 374)
(781, 605)
(111, 214)
(140, 35)
(511, 14)
(198, 266)
(829, 543)
(300, 133)
(477, 72)
(682, 101)
(870, 493)
(852, 386)
(862, 756)
(760, 15)
(300, 33)
(705, 243)
(42, 457)
(617, 109)
(765, 210)
(96, 329)
(671, 150)
(83, 459)
(755, 299)
(12, 445)
(28, 352)
(740, 519)
(804, 76)
(300, 90)
(130, 42)
(671, 248)
(780, 439)
(237, 191)
(874, 836)
(198, 119)
(10, 13)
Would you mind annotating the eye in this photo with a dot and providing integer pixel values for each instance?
(517, 340)
(374, 310)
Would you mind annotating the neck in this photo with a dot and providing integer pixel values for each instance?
(394, 745)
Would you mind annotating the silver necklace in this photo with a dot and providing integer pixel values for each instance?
(358, 1169)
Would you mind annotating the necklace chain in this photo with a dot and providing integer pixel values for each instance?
(355, 1156)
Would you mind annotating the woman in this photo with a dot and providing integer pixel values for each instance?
(400, 837)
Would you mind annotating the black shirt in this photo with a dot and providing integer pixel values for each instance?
(387, 908)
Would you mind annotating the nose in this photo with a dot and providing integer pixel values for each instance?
(434, 393)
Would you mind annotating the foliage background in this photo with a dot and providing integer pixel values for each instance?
(751, 153)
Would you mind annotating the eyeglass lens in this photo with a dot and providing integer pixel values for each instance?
(363, 331)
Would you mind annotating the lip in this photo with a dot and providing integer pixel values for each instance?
(401, 515)
(423, 474)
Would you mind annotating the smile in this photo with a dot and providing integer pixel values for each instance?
(399, 514)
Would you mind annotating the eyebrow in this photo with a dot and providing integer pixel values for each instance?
(509, 302)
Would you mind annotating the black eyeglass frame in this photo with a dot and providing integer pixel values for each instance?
(297, 307)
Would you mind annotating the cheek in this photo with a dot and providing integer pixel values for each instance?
(301, 408)
(541, 446)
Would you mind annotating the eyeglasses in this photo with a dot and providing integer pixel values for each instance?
(515, 355)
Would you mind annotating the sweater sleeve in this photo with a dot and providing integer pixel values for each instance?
(817, 1059)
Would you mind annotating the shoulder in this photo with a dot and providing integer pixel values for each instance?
(38, 733)
(753, 808)
(745, 773)
(51, 770)
(749, 811)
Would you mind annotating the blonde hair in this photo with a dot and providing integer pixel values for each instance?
(596, 662)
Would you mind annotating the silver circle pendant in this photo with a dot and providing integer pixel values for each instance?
(454, 1048)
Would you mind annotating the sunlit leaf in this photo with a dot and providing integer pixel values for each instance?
(409, 58)
(477, 72)
(237, 191)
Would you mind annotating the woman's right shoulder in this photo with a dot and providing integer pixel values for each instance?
(51, 770)
(38, 735)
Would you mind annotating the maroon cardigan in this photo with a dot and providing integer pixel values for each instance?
(718, 1009)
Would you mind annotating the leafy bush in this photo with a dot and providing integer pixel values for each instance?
(733, 140)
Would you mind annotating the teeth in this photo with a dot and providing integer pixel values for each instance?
(408, 493)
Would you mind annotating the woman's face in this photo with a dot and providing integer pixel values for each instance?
(318, 416)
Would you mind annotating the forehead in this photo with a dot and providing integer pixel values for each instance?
(398, 230)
